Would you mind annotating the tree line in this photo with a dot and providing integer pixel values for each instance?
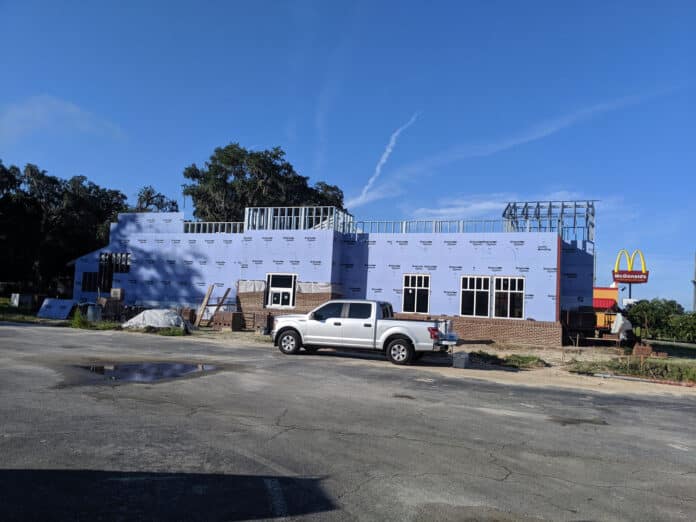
(46, 221)
(663, 319)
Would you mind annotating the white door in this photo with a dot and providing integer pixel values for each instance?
(359, 325)
(325, 328)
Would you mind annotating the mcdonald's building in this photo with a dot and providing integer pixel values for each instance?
(508, 279)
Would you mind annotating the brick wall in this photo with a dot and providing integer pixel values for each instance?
(251, 305)
(537, 333)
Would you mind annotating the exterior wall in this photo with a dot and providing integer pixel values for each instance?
(373, 266)
(577, 274)
(253, 302)
(474, 329)
(169, 266)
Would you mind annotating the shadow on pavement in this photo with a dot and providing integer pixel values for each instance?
(115, 495)
(427, 359)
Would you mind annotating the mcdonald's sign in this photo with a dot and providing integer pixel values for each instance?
(630, 275)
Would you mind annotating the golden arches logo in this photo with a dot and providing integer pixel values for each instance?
(630, 260)
(630, 275)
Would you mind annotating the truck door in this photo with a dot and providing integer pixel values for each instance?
(324, 329)
(359, 325)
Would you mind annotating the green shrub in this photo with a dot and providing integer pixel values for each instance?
(79, 320)
(683, 327)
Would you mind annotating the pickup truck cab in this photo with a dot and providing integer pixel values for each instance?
(360, 324)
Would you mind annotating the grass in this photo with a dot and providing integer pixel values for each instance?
(80, 321)
(520, 362)
(170, 331)
(649, 368)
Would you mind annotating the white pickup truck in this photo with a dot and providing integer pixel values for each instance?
(359, 324)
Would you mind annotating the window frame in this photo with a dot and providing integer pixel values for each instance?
(508, 292)
(271, 289)
(343, 305)
(475, 292)
(416, 288)
(352, 304)
(90, 277)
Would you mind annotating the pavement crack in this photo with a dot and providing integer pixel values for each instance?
(280, 418)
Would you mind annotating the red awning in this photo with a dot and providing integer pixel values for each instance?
(603, 304)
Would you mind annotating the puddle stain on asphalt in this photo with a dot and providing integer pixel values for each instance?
(147, 372)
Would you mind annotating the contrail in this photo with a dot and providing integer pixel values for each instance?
(363, 197)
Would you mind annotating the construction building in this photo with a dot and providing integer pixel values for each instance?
(507, 279)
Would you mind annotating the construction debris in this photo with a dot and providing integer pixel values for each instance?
(157, 319)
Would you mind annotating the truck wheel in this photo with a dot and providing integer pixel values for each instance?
(289, 342)
(400, 351)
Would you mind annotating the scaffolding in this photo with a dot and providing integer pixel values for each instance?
(297, 218)
(573, 220)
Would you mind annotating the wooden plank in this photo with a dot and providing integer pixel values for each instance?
(199, 317)
(220, 303)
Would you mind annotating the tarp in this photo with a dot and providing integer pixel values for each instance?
(251, 286)
(55, 308)
(621, 326)
(317, 288)
(156, 318)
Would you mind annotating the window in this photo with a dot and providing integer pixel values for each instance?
(106, 272)
(89, 281)
(121, 263)
(360, 311)
(509, 297)
(110, 264)
(475, 296)
(416, 293)
(280, 290)
(387, 312)
(328, 311)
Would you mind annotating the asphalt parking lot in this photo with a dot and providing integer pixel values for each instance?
(327, 436)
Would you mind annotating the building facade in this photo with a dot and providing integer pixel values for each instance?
(501, 280)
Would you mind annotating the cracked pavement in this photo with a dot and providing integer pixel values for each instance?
(321, 437)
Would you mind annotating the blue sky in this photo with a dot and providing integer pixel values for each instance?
(451, 108)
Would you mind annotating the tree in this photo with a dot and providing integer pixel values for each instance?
(654, 316)
(20, 218)
(10, 179)
(683, 327)
(47, 221)
(235, 178)
(149, 200)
